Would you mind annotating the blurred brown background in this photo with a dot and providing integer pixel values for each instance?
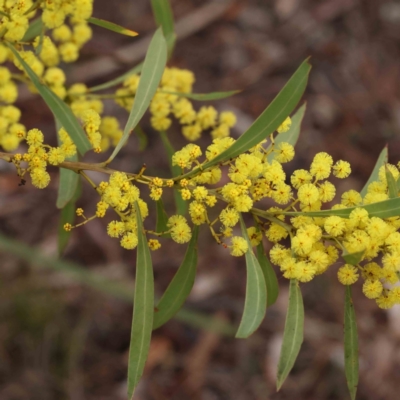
(62, 340)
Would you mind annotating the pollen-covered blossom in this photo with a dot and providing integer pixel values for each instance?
(300, 177)
(197, 212)
(186, 156)
(285, 125)
(276, 232)
(229, 217)
(341, 169)
(40, 178)
(129, 241)
(254, 236)
(372, 288)
(154, 244)
(285, 152)
(238, 246)
(321, 166)
(347, 274)
(179, 229)
(308, 194)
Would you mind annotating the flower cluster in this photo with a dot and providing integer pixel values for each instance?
(11, 130)
(170, 100)
(40, 155)
(120, 194)
(315, 242)
(304, 247)
(65, 31)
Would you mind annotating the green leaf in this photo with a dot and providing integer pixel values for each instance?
(35, 28)
(67, 216)
(143, 141)
(353, 258)
(162, 218)
(111, 26)
(350, 344)
(153, 69)
(382, 209)
(170, 40)
(181, 205)
(204, 96)
(68, 183)
(292, 135)
(163, 15)
(60, 110)
(271, 280)
(118, 80)
(382, 160)
(69, 179)
(293, 333)
(180, 287)
(268, 121)
(255, 303)
(143, 307)
(391, 182)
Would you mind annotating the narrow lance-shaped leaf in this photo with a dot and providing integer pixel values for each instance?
(350, 344)
(141, 134)
(382, 160)
(283, 104)
(67, 216)
(391, 182)
(293, 333)
(255, 303)
(163, 15)
(112, 27)
(60, 110)
(382, 209)
(153, 69)
(204, 96)
(162, 218)
(180, 287)
(292, 135)
(271, 280)
(118, 80)
(35, 28)
(143, 307)
(181, 205)
(68, 183)
(69, 179)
